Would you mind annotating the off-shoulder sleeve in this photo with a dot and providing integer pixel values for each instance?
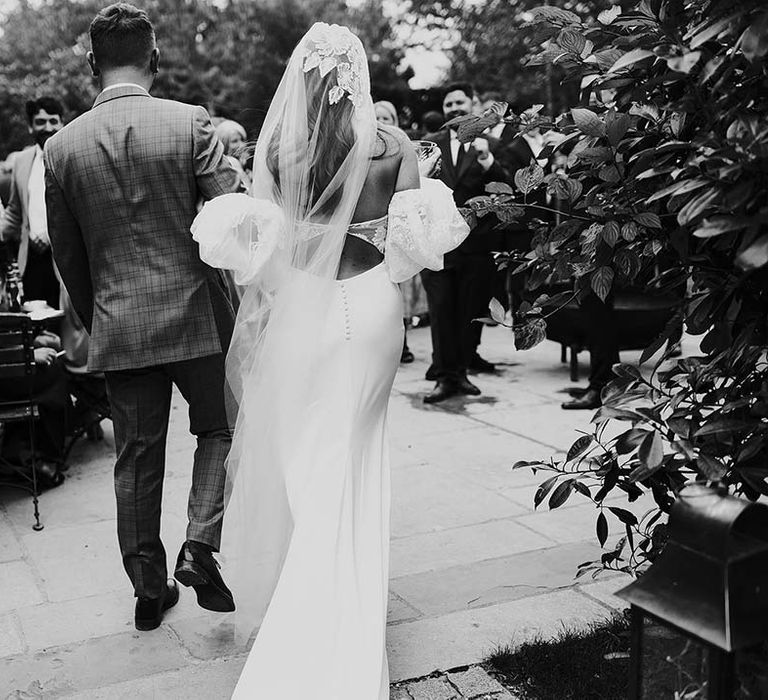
(423, 225)
(239, 233)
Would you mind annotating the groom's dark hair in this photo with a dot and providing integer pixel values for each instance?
(122, 35)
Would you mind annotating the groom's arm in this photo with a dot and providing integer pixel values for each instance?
(68, 248)
(213, 172)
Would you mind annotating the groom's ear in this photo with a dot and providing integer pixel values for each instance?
(95, 71)
(154, 61)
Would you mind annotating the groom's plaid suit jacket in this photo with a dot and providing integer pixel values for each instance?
(122, 184)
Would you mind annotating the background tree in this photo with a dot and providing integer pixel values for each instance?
(227, 56)
(487, 46)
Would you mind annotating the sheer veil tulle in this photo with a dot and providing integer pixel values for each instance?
(310, 164)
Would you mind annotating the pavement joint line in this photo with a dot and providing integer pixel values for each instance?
(509, 518)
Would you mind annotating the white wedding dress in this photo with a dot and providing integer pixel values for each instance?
(306, 532)
(322, 450)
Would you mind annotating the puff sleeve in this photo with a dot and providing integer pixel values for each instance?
(423, 225)
(238, 232)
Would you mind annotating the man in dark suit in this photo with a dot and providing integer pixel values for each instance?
(461, 291)
(123, 182)
(24, 222)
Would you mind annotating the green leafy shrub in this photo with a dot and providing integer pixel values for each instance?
(666, 186)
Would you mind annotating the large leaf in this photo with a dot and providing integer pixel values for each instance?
(498, 188)
(543, 490)
(607, 16)
(754, 41)
(611, 232)
(755, 255)
(587, 122)
(697, 206)
(530, 334)
(718, 225)
(628, 441)
(630, 58)
(554, 15)
(572, 41)
(625, 516)
(648, 219)
(684, 63)
(711, 467)
(601, 282)
(529, 178)
(651, 452)
(678, 188)
(601, 528)
(560, 494)
(579, 447)
(617, 124)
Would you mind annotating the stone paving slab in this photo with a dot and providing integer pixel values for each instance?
(493, 581)
(473, 683)
(91, 664)
(418, 648)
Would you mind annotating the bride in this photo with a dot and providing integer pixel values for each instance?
(336, 216)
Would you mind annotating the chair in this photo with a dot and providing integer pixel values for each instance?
(91, 406)
(17, 361)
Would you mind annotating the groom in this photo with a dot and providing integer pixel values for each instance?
(122, 184)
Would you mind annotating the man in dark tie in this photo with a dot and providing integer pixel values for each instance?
(461, 291)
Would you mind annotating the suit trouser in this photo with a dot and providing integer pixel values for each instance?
(456, 295)
(141, 402)
(602, 340)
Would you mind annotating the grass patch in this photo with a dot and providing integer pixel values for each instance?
(593, 664)
(588, 664)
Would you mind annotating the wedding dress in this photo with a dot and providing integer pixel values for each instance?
(306, 531)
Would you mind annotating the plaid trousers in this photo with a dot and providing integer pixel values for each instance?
(141, 402)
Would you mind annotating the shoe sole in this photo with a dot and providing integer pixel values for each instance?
(209, 595)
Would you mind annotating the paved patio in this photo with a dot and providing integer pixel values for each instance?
(473, 566)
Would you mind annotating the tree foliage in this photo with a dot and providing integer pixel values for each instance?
(670, 163)
(488, 46)
(227, 56)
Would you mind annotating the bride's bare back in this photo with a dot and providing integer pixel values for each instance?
(393, 168)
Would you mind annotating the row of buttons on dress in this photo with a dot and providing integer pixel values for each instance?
(345, 303)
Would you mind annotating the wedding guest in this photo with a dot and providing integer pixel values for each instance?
(386, 113)
(24, 221)
(432, 122)
(50, 392)
(462, 290)
(235, 140)
(412, 290)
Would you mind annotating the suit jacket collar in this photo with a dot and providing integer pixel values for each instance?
(118, 92)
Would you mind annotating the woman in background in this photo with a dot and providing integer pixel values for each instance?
(414, 298)
(234, 138)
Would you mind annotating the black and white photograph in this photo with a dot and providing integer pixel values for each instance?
(384, 350)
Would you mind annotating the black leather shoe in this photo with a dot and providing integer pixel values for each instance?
(464, 386)
(406, 356)
(196, 567)
(577, 391)
(478, 364)
(149, 611)
(431, 374)
(590, 400)
(443, 390)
